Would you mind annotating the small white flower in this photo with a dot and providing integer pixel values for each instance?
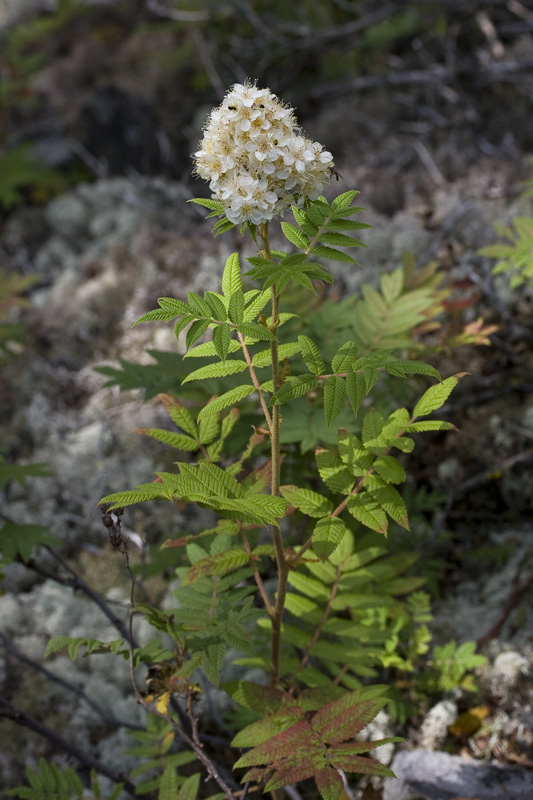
(256, 159)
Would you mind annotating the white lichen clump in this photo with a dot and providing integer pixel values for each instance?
(256, 159)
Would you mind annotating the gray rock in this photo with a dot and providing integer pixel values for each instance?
(425, 775)
(435, 726)
(67, 216)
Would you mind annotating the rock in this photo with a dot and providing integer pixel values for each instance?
(425, 775)
(508, 668)
(67, 216)
(379, 728)
(435, 726)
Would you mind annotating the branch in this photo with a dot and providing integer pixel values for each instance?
(70, 687)
(78, 583)
(179, 16)
(15, 714)
(512, 602)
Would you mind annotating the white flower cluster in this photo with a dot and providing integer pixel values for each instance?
(255, 158)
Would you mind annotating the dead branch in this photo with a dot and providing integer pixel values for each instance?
(15, 714)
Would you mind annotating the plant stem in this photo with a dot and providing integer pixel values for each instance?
(255, 380)
(276, 614)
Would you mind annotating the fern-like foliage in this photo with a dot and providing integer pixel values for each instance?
(18, 540)
(155, 751)
(49, 782)
(515, 257)
(310, 736)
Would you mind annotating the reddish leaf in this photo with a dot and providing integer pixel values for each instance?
(353, 748)
(346, 717)
(299, 737)
(318, 696)
(329, 783)
(258, 697)
(361, 765)
(265, 729)
(292, 775)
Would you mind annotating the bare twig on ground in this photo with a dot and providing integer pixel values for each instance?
(511, 603)
(110, 720)
(15, 714)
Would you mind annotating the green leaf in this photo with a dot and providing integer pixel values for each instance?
(207, 349)
(430, 425)
(141, 493)
(255, 331)
(390, 469)
(404, 443)
(196, 330)
(179, 414)
(231, 277)
(189, 788)
(435, 397)
(356, 390)
(178, 307)
(311, 355)
(345, 199)
(216, 304)
(372, 425)
(198, 305)
(339, 240)
(401, 369)
(236, 306)
(295, 235)
(219, 564)
(367, 511)
(20, 540)
(261, 508)
(334, 397)
(20, 472)
(227, 399)
(221, 340)
(311, 587)
(294, 387)
(391, 501)
(168, 787)
(218, 370)
(332, 254)
(264, 357)
(333, 472)
(178, 440)
(214, 205)
(307, 501)
(353, 454)
(258, 303)
(344, 357)
(371, 376)
(222, 226)
(158, 315)
(327, 536)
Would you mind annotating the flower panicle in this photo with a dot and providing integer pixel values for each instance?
(256, 159)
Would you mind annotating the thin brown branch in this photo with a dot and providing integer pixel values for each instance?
(10, 648)
(78, 583)
(512, 602)
(189, 740)
(15, 714)
(255, 380)
(172, 13)
(259, 582)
